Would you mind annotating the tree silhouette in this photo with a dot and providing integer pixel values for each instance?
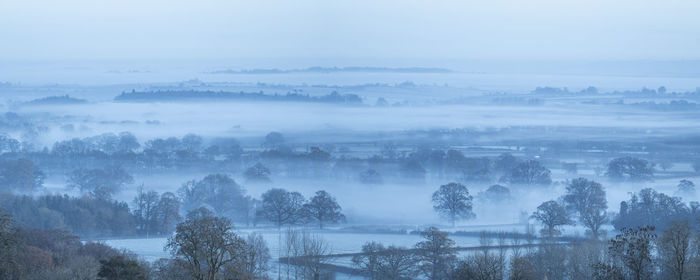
(453, 202)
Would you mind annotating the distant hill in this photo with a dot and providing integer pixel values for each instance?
(56, 100)
(184, 95)
(356, 69)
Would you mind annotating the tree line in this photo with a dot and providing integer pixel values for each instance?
(584, 202)
(278, 160)
(180, 95)
(152, 213)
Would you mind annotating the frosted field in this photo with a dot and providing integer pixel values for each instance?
(151, 249)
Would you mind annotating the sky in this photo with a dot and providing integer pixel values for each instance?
(350, 29)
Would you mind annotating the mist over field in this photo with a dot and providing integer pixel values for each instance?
(349, 140)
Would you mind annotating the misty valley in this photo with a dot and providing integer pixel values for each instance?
(376, 180)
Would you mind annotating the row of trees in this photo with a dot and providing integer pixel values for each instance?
(584, 203)
(282, 207)
(183, 95)
(152, 213)
(584, 199)
(191, 152)
(225, 197)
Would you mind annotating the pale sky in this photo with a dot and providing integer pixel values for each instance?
(218, 29)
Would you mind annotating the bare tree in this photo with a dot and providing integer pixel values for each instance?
(501, 239)
(257, 257)
(603, 271)
(292, 250)
(483, 265)
(549, 262)
(390, 263)
(436, 254)
(156, 213)
(453, 202)
(485, 240)
(515, 242)
(552, 215)
(582, 257)
(282, 207)
(397, 263)
(631, 169)
(145, 206)
(168, 212)
(203, 244)
(587, 199)
(479, 266)
(686, 187)
(252, 206)
(314, 253)
(633, 247)
(530, 237)
(674, 249)
(253, 262)
(530, 172)
(308, 253)
(323, 209)
(369, 261)
(521, 268)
